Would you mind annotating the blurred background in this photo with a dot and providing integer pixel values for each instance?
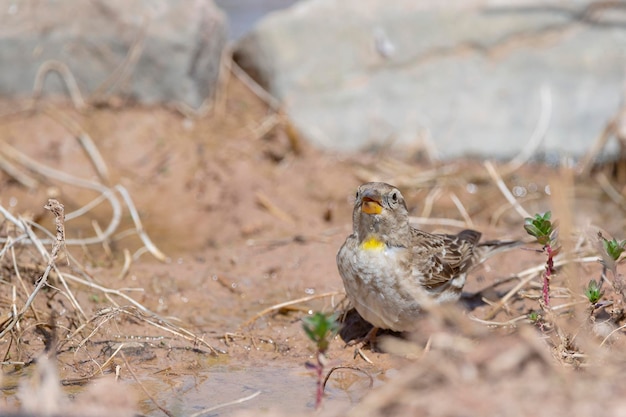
(478, 78)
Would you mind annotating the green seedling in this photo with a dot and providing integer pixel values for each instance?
(540, 227)
(545, 231)
(614, 248)
(537, 320)
(593, 292)
(533, 316)
(320, 328)
(611, 251)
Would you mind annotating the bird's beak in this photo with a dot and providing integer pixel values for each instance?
(371, 206)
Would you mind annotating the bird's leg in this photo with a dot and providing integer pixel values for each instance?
(368, 339)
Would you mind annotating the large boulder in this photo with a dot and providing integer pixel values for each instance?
(466, 77)
(149, 51)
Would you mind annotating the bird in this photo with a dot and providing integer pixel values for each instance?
(393, 271)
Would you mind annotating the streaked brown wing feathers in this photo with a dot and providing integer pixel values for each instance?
(442, 257)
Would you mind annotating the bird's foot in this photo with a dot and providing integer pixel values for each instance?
(368, 340)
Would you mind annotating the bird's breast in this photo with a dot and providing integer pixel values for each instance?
(377, 261)
(372, 243)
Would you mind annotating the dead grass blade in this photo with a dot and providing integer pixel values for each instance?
(254, 87)
(151, 247)
(612, 128)
(610, 191)
(66, 75)
(538, 135)
(279, 306)
(504, 190)
(57, 209)
(265, 202)
(143, 388)
(220, 406)
(14, 172)
(85, 141)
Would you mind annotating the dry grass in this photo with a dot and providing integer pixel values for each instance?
(44, 287)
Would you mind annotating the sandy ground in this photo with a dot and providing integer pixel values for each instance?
(249, 217)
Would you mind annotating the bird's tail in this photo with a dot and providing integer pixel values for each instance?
(485, 250)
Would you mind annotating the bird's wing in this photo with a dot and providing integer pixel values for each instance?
(439, 258)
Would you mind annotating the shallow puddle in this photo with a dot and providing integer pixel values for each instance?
(287, 389)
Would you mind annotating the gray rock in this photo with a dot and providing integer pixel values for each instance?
(464, 76)
(150, 51)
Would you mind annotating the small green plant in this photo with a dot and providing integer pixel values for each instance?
(537, 320)
(320, 328)
(611, 251)
(613, 248)
(546, 232)
(540, 227)
(593, 291)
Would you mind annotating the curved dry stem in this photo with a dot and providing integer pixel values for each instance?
(610, 191)
(106, 290)
(86, 208)
(10, 242)
(69, 293)
(18, 275)
(121, 73)
(151, 247)
(191, 113)
(126, 267)
(85, 141)
(106, 363)
(223, 79)
(12, 171)
(235, 402)
(259, 91)
(611, 129)
(538, 135)
(278, 306)
(499, 212)
(504, 190)
(143, 388)
(7, 215)
(511, 322)
(429, 201)
(353, 368)
(611, 334)
(459, 205)
(106, 192)
(66, 76)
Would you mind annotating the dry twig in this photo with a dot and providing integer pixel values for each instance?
(279, 306)
(57, 209)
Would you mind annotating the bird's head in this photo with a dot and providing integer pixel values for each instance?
(380, 211)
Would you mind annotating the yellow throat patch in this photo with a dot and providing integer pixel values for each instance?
(372, 243)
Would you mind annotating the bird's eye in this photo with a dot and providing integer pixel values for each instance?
(394, 197)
